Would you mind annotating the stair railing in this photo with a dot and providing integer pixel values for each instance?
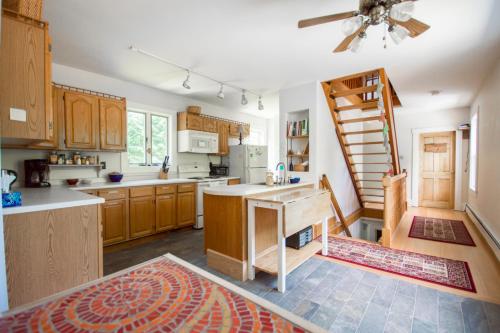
(395, 205)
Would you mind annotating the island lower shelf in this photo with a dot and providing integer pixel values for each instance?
(268, 261)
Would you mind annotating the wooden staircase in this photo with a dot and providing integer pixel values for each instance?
(361, 106)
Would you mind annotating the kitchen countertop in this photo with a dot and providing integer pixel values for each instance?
(250, 189)
(40, 199)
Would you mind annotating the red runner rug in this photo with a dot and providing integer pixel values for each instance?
(440, 230)
(162, 296)
(446, 272)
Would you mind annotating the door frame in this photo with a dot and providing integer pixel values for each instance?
(415, 168)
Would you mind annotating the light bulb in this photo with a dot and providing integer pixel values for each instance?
(261, 105)
(402, 11)
(185, 84)
(244, 100)
(351, 25)
(398, 33)
(357, 42)
(220, 94)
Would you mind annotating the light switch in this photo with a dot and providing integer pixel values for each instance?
(18, 114)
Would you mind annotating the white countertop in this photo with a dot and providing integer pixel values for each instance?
(250, 189)
(39, 199)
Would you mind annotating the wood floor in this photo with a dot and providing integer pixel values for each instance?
(483, 264)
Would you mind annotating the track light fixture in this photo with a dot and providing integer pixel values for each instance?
(261, 105)
(244, 100)
(185, 84)
(220, 94)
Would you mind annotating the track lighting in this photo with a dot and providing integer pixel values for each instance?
(185, 84)
(244, 100)
(261, 105)
(220, 94)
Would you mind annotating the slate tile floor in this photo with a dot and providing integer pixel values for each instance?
(336, 297)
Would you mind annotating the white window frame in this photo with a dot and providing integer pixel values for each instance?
(148, 167)
(474, 151)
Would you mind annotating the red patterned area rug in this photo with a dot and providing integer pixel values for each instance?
(446, 272)
(447, 231)
(158, 296)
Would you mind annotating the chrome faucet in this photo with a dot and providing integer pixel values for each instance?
(281, 168)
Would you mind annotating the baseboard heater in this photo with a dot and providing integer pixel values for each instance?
(485, 228)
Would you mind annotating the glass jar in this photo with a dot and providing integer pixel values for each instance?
(61, 159)
(53, 158)
(77, 158)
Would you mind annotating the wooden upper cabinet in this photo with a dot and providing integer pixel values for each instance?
(189, 121)
(114, 221)
(142, 216)
(209, 125)
(113, 124)
(165, 212)
(23, 79)
(223, 129)
(81, 113)
(186, 209)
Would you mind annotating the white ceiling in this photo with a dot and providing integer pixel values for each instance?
(255, 44)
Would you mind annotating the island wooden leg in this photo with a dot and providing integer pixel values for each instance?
(251, 241)
(281, 253)
(324, 236)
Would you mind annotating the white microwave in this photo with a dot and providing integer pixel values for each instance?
(197, 142)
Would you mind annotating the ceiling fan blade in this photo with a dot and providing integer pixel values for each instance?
(415, 27)
(344, 45)
(326, 19)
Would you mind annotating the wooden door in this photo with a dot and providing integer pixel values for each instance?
(186, 209)
(114, 221)
(113, 124)
(142, 216)
(223, 129)
(165, 212)
(437, 170)
(81, 113)
(22, 84)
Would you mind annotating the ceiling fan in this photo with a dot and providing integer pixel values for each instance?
(395, 13)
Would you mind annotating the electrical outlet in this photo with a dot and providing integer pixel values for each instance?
(18, 114)
(103, 165)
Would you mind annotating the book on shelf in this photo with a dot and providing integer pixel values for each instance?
(298, 128)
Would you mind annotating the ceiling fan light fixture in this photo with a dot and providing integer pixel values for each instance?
(220, 94)
(402, 11)
(351, 25)
(357, 42)
(398, 33)
(244, 100)
(185, 84)
(261, 105)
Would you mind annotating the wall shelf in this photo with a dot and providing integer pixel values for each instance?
(297, 141)
(298, 137)
(75, 166)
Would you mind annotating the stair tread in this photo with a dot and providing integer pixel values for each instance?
(356, 154)
(369, 171)
(355, 91)
(365, 143)
(359, 120)
(369, 180)
(372, 195)
(362, 132)
(371, 188)
(371, 163)
(362, 106)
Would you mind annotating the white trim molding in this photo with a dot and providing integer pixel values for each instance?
(482, 226)
(415, 169)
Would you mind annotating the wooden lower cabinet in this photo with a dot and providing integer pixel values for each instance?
(235, 181)
(186, 209)
(165, 212)
(142, 216)
(114, 221)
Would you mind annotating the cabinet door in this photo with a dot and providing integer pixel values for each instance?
(186, 209)
(210, 125)
(22, 84)
(114, 221)
(234, 130)
(223, 129)
(113, 124)
(142, 216)
(194, 122)
(81, 120)
(165, 212)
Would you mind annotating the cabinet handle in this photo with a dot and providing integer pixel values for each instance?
(50, 125)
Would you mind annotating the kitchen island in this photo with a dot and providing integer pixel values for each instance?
(225, 214)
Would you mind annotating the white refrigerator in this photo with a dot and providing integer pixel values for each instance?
(248, 162)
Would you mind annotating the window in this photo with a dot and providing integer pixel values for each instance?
(473, 152)
(148, 138)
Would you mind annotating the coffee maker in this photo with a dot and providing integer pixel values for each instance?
(36, 173)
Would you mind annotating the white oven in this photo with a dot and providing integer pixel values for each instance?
(190, 141)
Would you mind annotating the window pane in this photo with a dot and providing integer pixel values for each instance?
(136, 138)
(159, 139)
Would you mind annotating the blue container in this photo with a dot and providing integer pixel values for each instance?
(11, 199)
(294, 180)
(115, 177)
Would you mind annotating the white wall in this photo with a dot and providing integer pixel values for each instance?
(485, 202)
(325, 154)
(140, 97)
(413, 121)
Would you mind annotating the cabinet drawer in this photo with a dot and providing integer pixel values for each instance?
(165, 189)
(119, 193)
(186, 188)
(91, 192)
(143, 191)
